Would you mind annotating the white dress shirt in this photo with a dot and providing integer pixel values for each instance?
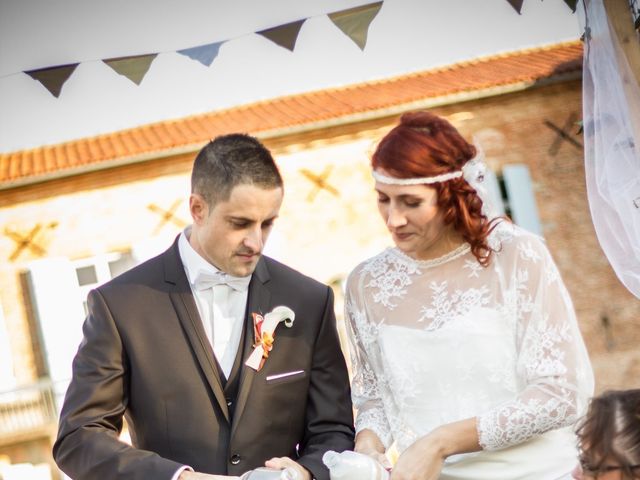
(221, 307)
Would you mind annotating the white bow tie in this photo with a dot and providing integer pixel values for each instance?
(205, 280)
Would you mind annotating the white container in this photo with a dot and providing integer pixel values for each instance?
(350, 465)
(264, 473)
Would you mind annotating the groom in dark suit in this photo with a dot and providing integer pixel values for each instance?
(165, 346)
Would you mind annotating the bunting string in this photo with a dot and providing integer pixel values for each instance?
(352, 22)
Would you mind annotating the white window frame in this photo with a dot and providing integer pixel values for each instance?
(59, 303)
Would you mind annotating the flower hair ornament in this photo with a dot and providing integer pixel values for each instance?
(473, 171)
(264, 333)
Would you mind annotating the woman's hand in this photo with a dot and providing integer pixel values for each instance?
(369, 444)
(421, 461)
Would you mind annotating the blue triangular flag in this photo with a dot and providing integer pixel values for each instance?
(205, 54)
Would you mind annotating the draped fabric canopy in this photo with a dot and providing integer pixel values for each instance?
(611, 117)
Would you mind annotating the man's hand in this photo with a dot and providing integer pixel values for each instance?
(189, 475)
(368, 443)
(280, 463)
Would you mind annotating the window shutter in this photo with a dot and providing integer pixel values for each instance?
(494, 200)
(59, 314)
(7, 377)
(520, 196)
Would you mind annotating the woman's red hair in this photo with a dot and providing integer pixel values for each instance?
(425, 145)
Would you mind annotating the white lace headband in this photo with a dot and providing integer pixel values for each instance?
(472, 171)
(416, 181)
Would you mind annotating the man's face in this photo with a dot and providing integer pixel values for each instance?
(232, 234)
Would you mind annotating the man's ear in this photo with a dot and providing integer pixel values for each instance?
(198, 208)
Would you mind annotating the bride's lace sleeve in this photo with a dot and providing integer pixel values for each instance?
(552, 363)
(366, 383)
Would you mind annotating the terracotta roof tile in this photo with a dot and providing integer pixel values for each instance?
(292, 112)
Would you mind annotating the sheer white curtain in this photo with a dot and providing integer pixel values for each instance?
(611, 103)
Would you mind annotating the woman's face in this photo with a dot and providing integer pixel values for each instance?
(412, 216)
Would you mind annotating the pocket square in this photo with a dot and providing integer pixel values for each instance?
(284, 375)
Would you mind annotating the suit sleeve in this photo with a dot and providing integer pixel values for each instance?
(87, 446)
(329, 415)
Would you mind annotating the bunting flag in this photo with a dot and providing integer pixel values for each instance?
(572, 4)
(53, 78)
(516, 4)
(134, 68)
(354, 22)
(285, 35)
(205, 54)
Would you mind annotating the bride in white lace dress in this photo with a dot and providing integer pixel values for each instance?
(466, 350)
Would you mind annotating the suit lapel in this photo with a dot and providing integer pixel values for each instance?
(259, 301)
(184, 304)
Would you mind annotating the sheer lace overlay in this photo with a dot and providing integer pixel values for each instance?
(438, 341)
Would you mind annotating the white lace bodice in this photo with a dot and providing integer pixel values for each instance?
(438, 341)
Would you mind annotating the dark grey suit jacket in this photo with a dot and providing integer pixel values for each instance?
(145, 355)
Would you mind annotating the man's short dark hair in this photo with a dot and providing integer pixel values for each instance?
(231, 160)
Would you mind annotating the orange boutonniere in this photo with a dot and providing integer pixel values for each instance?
(264, 333)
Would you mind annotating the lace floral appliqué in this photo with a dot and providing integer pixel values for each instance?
(474, 266)
(445, 307)
(389, 278)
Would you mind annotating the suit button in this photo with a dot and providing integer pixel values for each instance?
(235, 459)
(229, 402)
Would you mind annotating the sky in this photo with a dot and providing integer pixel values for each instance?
(406, 36)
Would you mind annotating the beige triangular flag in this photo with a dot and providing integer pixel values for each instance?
(134, 68)
(355, 22)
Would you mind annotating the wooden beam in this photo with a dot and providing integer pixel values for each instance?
(621, 24)
(622, 28)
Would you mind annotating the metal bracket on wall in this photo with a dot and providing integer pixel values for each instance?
(167, 215)
(563, 134)
(320, 182)
(28, 240)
